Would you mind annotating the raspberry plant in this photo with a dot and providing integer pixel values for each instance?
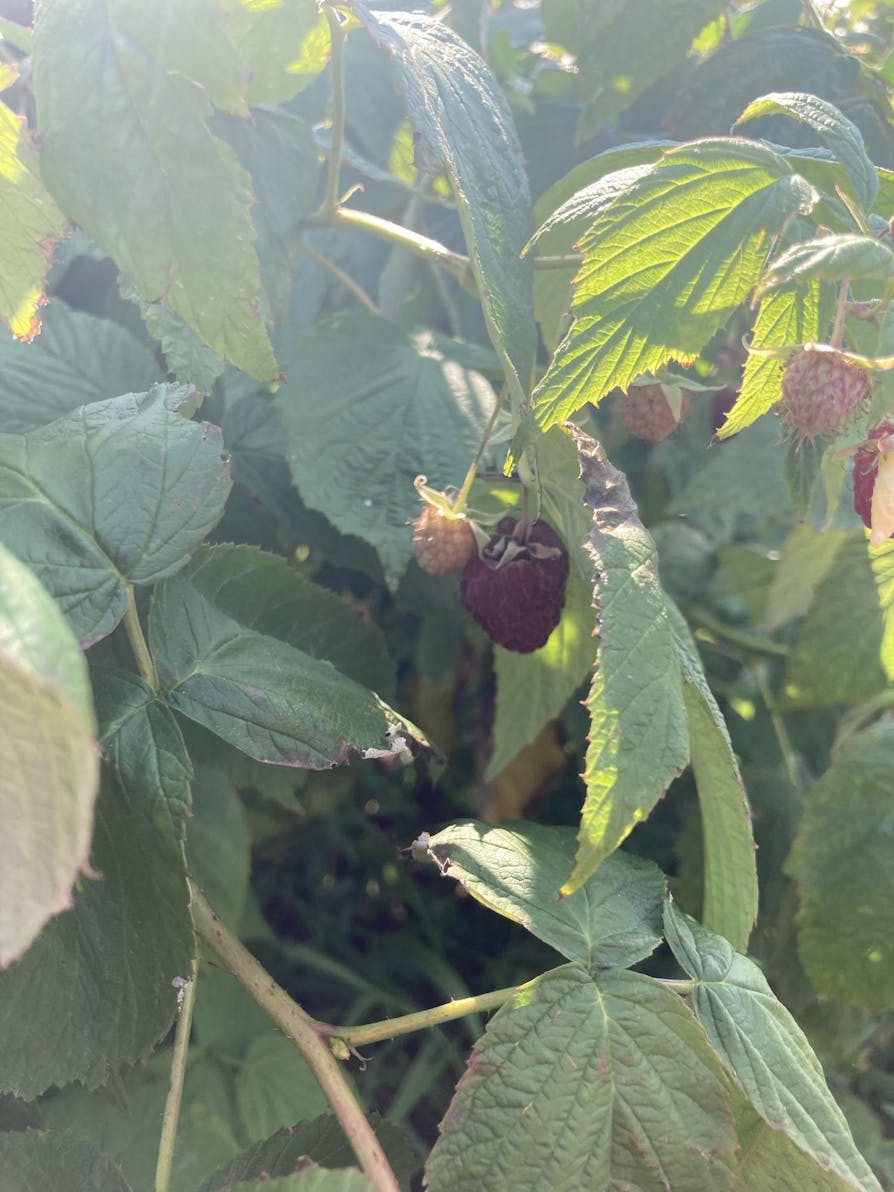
(266, 267)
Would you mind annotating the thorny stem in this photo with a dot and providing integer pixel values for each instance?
(840, 314)
(175, 1088)
(337, 61)
(390, 1028)
(304, 1032)
(134, 630)
(460, 503)
(346, 280)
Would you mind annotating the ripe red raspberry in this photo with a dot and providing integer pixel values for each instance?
(648, 413)
(867, 461)
(821, 391)
(516, 591)
(442, 543)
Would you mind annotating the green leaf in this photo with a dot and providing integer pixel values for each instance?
(311, 1180)
(48, 759)
(532, 689)
(97, 983)
(141, 738)
(730, 871)
(638, 739)
(284, 46)
(803, 462)
(611, 920)
(174, 207)
(831, 258)
(827, 665)
(269, 699)
(408, 408)
(838, 134)
(841, 861)
(33, 1159)
(457, 106)
(77, 359)
(280, 153)
(667, 264)
(185, 354)
(788, 316)
(322, 1141)
(805, 559)
(275, 1087)
(30, 225)
(768, 1158)
(764, 1048)
(587, 1084)
(61, 490)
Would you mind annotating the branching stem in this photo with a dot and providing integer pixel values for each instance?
(304, 1032)
(175, 1088)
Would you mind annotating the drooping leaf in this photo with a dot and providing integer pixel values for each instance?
(30, 225)
(838, 134)
(534, 688)
(638, 738)
(831, 258)
(77, 359)
(587, 1084)
(63, 512)
(115, 85)
(828, 665)
(610, 921)
(273, 701)
(841, 861)
(97, 982)
(764, 1048)
(409, 410)
(47, 758)
(730, 871)
(32, 1159)
(667, 264)
(793, 315)
(457, 106)
(284, 46)
(185, 355)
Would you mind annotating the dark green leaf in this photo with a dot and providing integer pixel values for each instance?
(97, 983)
(269, 699)
(33, 1160)
(47, 756)
(638, 739)
(612, 920)
(61, 490)
(838, 134)
(173, 208)
(457, 106)
(275, 1087)
(841, 860)
(587, 1084)
(77, 359)
(764, 1048)
(407, 408)
(667, 264)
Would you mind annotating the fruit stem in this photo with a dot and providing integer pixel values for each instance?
(459, 504)
(840, 314)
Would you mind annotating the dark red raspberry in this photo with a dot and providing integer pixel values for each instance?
(647, 413)
(821, 391)
(442, 543)
(516, 589)
(866, 465)
(721, 404)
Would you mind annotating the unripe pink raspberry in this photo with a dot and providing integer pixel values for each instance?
(821, 392)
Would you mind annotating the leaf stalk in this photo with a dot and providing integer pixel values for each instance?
(138, 645)
(175, 1087)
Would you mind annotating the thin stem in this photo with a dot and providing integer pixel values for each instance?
(560, 261)
(840, 314)
(390, 1028)
(175, 1088)
(134, 630)
(422, 246)
(460, 503)
(751, 643)
(337, 61)
(304, 1032)
(346, 280)
(781, 732)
